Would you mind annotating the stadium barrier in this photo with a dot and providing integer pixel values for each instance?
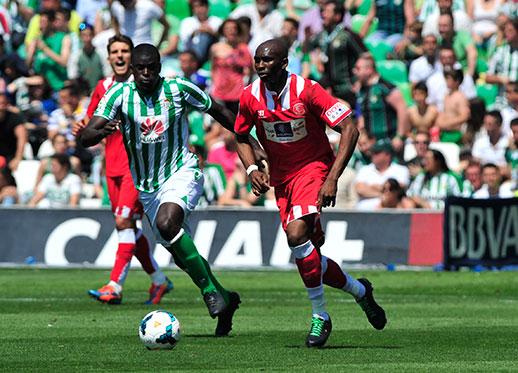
(226, 237)
(480, 232)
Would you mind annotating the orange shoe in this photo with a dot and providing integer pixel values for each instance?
(106, 294)
(156, 292)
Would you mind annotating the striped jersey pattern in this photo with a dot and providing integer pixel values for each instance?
(436, 189)
(155, 128)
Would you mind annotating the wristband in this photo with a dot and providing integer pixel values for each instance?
(251, 168)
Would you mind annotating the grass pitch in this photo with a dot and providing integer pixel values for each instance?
(437, 321)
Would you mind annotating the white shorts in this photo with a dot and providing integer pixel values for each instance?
(184, 188)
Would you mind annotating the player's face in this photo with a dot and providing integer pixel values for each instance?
(120, 58)
(146, 72)
(269, 64)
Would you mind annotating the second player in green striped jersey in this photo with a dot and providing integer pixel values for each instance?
(155, 127)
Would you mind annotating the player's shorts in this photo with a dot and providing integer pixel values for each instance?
(184, 188)
(124, 196)
(298, 197)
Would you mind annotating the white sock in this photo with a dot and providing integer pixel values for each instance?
(157, 277)
(354, 287)
(116, 286)
(316, 296)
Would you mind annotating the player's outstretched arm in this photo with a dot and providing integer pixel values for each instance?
(257, 177)
(348, 138)
(97, 129)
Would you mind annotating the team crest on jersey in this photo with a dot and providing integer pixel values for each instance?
(152, 130)
(260, 113)
(299, 108)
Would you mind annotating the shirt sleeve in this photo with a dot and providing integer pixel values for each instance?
(44, 184)
(110, 103)
(75, 185)
(325, 106)
(193, 95)
(244, 120)
(155, 11)
(94, 100)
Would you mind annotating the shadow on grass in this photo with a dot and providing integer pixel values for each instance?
(349, 347)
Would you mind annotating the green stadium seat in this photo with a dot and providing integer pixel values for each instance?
(487, 93)
(392, 70)
(220, 8)
(379, 49)
(357, 22)
(406, 92)
(178, 8)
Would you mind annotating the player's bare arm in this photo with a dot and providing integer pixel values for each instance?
(349, 137)
(97, 129)
(258, 178)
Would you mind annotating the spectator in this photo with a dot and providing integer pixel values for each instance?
(298, 61)
(436, 84)
(431, 187)
(424, 67)
(432, 8)
(231, 65)
(134, 19)
(89, 64)
(422, 115)
(60, 188)
(214, 178)
(224, 152)
(510, 110)
(8, 192)
(13, 135)
(484, 15)
(461, 20)
(60, 145)
(190, 69)
(266, 21)
(88, 9)
(472, 178)
(511, 154)
(411, 46)
(421, 143)
(370, 179)
(311, 21)
(362, 154)
(382, 107)
(498, 39)
(34, 30)
(493, 187)
(455, 115)
(393, 196)
(503, 65)
(238, 191)
(491, 145)
(339, 50)
(49, 55)
(70, 110)
(392, 16)
(462, 43)
(199, 31)
(11, 60)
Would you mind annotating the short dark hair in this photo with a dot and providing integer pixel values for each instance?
(231, 20)
(496, 114)
(421, 86)
(202, 2)
(514, 122)
(192, 54)
(63, 160)
(119, 38)
(455, 74)
(145, 49)
(490, 165)
(293, 22)
(339, 7)
(50, 14)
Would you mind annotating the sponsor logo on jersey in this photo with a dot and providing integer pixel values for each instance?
(152, 130)
(336, 111)
(260, 113)
(285, 131)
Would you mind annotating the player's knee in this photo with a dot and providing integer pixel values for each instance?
(124, 223)
(297, 233)
(168, 227)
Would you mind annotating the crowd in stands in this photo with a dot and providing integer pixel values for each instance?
(433, 85)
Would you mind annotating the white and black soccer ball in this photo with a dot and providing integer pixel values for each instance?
(159, 330)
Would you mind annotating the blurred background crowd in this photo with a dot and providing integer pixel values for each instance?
(433, 85)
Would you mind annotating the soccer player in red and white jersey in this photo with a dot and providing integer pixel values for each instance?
(290, 114)
(123, 195)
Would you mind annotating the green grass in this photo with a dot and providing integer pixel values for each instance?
(437, 321)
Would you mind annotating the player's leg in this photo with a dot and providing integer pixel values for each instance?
(309, 265)
(130, 209)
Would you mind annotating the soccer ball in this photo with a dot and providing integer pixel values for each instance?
(159, 330)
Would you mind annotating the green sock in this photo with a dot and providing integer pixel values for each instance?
(185, 250)
(216, 283)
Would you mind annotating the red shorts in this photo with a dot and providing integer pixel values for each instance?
(298, 197)
(124, 196)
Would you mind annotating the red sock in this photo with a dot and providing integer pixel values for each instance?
(124, 254)
(310, 269)
(333, 275)
(143, 254)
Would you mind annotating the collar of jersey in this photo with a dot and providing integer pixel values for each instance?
(154, 96)
(273, 93)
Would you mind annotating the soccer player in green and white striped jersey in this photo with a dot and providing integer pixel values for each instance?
(152, 115)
